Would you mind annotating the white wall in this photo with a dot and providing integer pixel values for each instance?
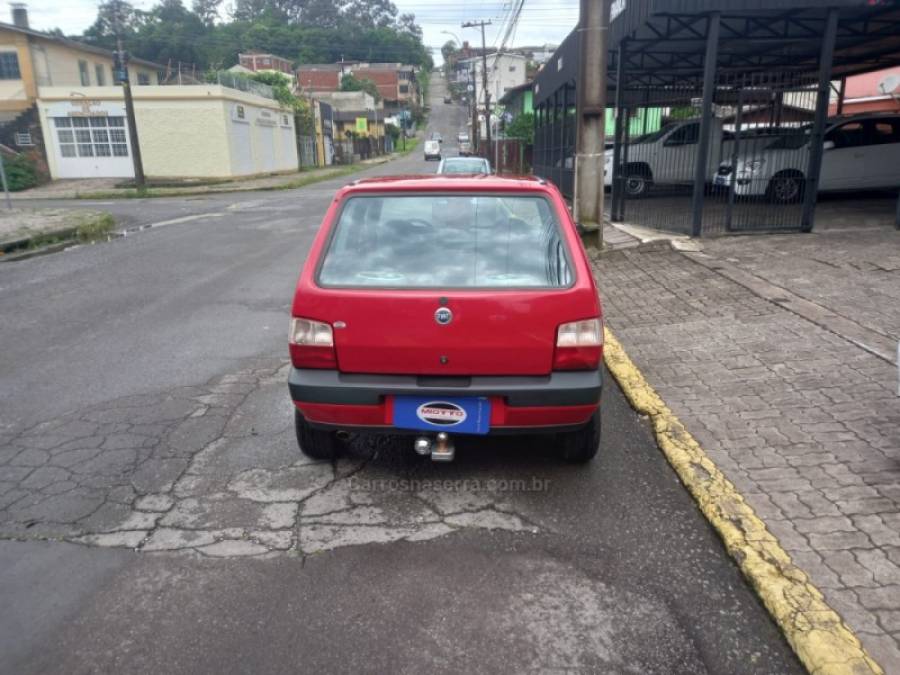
(504, 72)
(198, 131)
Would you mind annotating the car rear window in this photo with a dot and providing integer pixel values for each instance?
(446, 241)
(463, 166)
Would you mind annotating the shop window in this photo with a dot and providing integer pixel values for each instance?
(95, 136)
(143, 79)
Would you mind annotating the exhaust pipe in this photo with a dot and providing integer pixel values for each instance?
(441, 450)
(422, 446)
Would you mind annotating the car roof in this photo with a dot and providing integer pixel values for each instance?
(447, 182)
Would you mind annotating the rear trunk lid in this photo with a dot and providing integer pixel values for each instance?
(430, 333)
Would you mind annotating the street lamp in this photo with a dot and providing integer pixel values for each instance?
(453, 35)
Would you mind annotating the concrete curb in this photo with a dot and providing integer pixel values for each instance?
(340, 171)
(814, 630)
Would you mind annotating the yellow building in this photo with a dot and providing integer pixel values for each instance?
(190, 131)
(59, 103)
(30, 59)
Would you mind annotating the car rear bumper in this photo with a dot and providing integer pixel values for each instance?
(556, 402)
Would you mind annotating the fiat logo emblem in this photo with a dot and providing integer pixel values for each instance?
(443, 315)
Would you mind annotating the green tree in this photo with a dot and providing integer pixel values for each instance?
(21, 172)
(448, 51)
(352, 83)
(522, 127)
(114, 17)
(304, 30)
(207, 10)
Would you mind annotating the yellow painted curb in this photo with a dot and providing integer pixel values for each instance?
(814, 630)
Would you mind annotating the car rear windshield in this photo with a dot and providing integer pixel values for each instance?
(463, 166)
(446, 241)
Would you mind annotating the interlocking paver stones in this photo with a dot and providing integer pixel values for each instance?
(805, 423)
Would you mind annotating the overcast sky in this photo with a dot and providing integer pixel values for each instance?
(542, 21)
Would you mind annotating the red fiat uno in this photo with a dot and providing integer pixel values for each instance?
(444, 305)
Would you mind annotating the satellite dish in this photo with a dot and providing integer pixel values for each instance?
(889, 84)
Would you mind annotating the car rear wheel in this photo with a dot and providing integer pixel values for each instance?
(315, 443)
(582, 445)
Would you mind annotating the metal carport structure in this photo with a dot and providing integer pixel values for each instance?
(702, 53)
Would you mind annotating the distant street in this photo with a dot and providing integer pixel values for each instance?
(156, 515)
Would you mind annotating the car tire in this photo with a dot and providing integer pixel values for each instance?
(582, 445)
(785, 188)
(637, 184)
(315, 443)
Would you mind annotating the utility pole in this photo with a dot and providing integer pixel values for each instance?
(121, 69)
(474, 100)
(5, 184)
(484, 80)
(592, 27)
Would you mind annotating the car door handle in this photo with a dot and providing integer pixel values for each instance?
(858, 155)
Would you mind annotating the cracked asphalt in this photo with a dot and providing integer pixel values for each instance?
(157, 516)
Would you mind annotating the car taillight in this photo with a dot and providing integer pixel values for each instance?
(579, 345)
(311, 344)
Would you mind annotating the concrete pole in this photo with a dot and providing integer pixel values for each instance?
(701, 166)
(817, 135)
(476, 141)
(484, 87)
(591, 90)
(5, 184)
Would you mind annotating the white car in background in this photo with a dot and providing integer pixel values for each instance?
(467, 165)
(432, 150)
(859, 153)
(668, 156)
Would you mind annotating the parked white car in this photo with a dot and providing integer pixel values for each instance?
(669, 154)
(859, 153)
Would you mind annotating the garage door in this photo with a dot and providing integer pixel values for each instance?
(91, 147)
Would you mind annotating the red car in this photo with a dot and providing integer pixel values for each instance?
(441, 305)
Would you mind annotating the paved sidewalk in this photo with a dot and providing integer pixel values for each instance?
(23, 223)
(802, 420)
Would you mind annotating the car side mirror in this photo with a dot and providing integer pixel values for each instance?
(828, 145)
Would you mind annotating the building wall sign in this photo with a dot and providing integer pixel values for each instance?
(266, 118)
(85, 107)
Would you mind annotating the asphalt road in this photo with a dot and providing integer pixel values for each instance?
(143, 405)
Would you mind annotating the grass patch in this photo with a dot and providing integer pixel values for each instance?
(302, 181)
(95, 227)
(411, 144)
(50, 238)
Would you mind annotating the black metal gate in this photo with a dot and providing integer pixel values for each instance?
(757, 156)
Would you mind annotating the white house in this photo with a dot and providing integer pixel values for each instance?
(505, 71)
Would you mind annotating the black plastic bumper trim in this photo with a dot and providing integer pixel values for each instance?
(561, 388)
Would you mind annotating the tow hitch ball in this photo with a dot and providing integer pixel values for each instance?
(441, 450)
